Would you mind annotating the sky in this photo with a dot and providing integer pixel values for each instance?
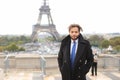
(94, 16)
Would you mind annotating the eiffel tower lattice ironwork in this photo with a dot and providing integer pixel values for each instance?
(49, 27)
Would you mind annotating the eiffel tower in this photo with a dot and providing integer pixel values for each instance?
(49, 27)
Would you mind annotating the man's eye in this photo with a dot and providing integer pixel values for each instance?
(76, 32)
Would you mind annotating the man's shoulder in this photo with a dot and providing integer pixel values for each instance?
(84, 41)
(66, 38)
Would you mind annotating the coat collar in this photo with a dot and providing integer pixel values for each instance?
(80, 50)
(68, 39)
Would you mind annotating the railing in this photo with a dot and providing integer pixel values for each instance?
(119, 64)
(6, 63)
(43, 65)
(109, 61)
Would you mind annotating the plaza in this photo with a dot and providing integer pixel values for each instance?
(45, 67)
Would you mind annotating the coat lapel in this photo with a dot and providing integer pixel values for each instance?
(80, 51)
(68, 51)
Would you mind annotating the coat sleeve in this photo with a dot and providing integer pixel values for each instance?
(60, 56)
(89, 57)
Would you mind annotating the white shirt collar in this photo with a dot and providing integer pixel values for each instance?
(75, 41)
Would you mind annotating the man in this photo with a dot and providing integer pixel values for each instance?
(75, 55)
(94, 65)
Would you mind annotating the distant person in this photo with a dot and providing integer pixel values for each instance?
(94, 64)
(75, 55)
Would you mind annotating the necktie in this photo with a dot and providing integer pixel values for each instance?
(73, 54)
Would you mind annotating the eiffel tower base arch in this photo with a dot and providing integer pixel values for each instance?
(44, 28)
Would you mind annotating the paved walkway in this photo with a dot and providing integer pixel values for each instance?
(36, 75)
(23, 75)
(100, 76)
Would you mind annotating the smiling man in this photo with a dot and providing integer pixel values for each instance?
(75, 55)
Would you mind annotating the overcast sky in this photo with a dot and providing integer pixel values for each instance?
(95, 16)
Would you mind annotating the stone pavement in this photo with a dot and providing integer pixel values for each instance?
(36, 75)
(23, 75)
(101, 76)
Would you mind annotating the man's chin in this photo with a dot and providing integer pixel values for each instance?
(73, 38)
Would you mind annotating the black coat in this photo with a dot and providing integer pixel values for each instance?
(83, 60)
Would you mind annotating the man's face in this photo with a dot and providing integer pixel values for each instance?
(74, 33)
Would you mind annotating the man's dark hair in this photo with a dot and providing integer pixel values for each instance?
(75, 25)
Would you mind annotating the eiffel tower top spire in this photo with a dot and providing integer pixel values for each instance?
(44, 9)
(44, 2)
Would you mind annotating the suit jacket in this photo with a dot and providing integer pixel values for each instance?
(83, 59)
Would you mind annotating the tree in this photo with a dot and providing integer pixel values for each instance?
(21, 49)
(12, 47)
(105, 43)
(117, 47)
(2, 48)
(95, 40)
(8, 39)
(115, 43)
